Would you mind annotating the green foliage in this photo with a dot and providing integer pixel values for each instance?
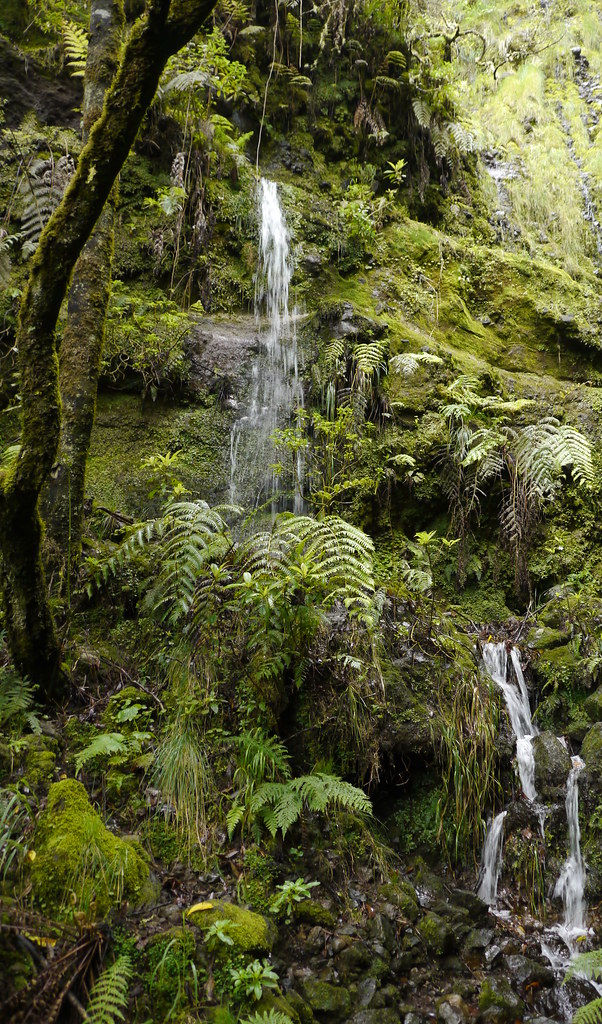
(75, 43)
(467, 724)
(290, 893)
(109, 994)
(42, 186)
(174, 978)
(16, 816)
(252, 980)
(281, 804)
(16, 701)
(267, 1017)
(220, 934)
(587, 965)
(591, 1013)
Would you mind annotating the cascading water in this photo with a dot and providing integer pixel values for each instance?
(495, 659)
(276, 389)
(571, 882)
(491, 861)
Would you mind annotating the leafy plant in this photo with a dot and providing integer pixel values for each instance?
(16, 700)
(42, 187)
(251, 980)
(267, 1017)
(587, 965)
(281, 804)
(219, 933)
(174, 981)
(109, 994)
(16, 816)
(75, 44)
(290, 893)
(116, 749)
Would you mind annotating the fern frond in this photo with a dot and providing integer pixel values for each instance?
(586, 965)
(591, 1013)
(42, 188)
(104, 745)
(75, 44)
(408, 362)
(109, 994)
(422, 111)
(267, 1017)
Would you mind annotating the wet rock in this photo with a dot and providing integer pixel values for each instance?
(477, 910)
(452, 1010)
(529, 972)
(302, 1009)
(380, 1016)
(498, 1003)
(593, 705)
(333, 1002)
(437, 934)
(382, 931)
(366, 990)
(479, 938)
(354, 959)
(552, 764)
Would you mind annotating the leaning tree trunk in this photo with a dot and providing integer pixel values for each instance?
(62, 501)
(33, 642)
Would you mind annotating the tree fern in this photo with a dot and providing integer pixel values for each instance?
(75, 44)
(109, 994)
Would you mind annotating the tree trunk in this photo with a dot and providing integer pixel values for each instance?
(166, 27)
(80, 354)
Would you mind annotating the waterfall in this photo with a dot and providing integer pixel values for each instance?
(275, 389)
(491, 861)
(571, 882)
(495, 659)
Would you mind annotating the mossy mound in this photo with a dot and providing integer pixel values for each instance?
(252, 932)
(591, 751)
(79, 860)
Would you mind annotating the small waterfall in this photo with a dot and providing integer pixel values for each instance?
(495, 659)
(276, 389)
(491, 861)
(571, 882)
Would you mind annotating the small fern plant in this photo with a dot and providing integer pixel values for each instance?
(109, 994)
(75, 45)
(587, 966)
(267, 1017)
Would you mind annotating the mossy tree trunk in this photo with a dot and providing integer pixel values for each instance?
(165, 28)
(80, 352)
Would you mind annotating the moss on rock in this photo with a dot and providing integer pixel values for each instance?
(79, 860)
(252, 932)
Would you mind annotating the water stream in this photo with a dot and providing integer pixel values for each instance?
(571, 881)
(495, 659)
(276, 389)
(491, 861)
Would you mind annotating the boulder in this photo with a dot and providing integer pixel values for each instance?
(251, 932)
(437, 934)
(452, 1010)
(498, 1003)
(313, 912)
(593, 705)
(528, 972)
(78, 859)
(552, 764)
(332, 1002)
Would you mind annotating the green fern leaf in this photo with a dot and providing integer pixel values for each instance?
(109, 994)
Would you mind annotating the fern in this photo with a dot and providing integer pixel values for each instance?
(408, 362)
(16, 699)
(109, 994)
(267, 1017)
(422, 111)
(586, 965)
(42, 189)
(75, 44)
(104, 745)
(281, 804)
(591, 1013)
(6, 243)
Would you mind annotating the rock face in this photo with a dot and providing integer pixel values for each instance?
(552, 764)
(76, 854)
(250, 932)
(591, 750)
(593, 705)
(220, 350)
(498, 1003)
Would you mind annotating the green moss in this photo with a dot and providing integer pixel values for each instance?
(436, 934)
(333, 1001)
(591, 749)
(276, 1001)
(40, 759)
(312, 912)
(78, 860)
(252, 932)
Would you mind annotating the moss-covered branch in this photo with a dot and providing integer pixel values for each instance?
(164, 29)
